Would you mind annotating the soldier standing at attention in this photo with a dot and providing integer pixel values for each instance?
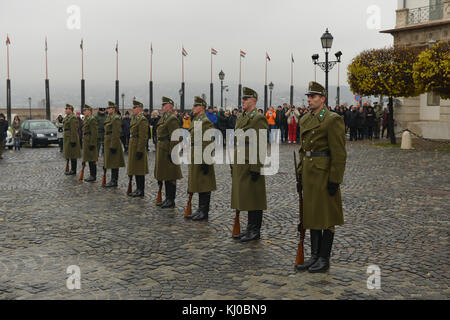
(248, 190)
(90, 153)
(202, 178)
(165, 170)
(137, 155)
(71, 140)
(113, 155)
(100, 117)
(321, 171)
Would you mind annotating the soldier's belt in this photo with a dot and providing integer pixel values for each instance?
(163, 139)
(134, 137)
(108, 133)
(310, 154)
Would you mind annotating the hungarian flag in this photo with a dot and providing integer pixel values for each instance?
(243, 54)
(117, 46)
(184, 52)
(213, 51)
(81, 44)
(267, 56)
(7, 40)
(292, 58)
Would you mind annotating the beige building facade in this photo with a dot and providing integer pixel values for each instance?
(421, 23)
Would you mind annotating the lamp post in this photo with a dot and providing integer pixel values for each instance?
(221, 77)
(29, 103)
(327, 42)
(271, 85)
(123, 104)
(180, 92)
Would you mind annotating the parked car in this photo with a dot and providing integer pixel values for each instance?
(39, 132)
(9, 143)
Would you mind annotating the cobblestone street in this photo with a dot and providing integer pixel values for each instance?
(396, 209)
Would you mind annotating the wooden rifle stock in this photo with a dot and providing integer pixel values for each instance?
(237, 224)
(67, 165)
(104, 177)
(159, 197)
(188, 210)
(300, 258)
(130, 182)
(82, 171)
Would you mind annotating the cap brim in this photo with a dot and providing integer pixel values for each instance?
(311, 93)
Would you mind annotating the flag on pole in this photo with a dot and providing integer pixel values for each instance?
(243, 54)
(117, 46)
(8, 41)
(267, 56)
(81, 44)
(46, 48)
(184, 52)
(292, 58)
(213, 51)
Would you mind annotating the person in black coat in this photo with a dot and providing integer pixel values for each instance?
(353, 123)
(3, 130)
(125, 133)
(370, 121)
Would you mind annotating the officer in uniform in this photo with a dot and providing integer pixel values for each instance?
(71, 139)
(90, 153)
(248, 191)
(321, 171)
(100, 117)
(113, 153)
(165, 170)
(137, 155)
(202, 178)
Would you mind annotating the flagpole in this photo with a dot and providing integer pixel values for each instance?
(182, 81)
(211, 86)
(291, 102)
(82, 78)
(8, 85)
(265, 89)
(117, 74)
(151, 80)
(47, 85)
(240, 80)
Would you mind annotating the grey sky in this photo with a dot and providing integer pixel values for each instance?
(279, 27)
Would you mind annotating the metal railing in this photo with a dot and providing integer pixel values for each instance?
(425, 14)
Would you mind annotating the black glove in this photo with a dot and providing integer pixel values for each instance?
(113, 151)
(91, 148)
(332, 188)
(299, 227)
(139, 155)
(73, 144)
(255, 175)
(299, 183)
(205, 168)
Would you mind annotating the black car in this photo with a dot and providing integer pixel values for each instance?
(37, 132)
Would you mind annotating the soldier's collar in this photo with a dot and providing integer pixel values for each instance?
(200, 117)
(166, 115)
(321, 115)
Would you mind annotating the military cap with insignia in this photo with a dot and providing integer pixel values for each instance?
(315, 88)
(199, 102)
(88, 107)
(166, 100)
(69, 106)
(111, 104)
(137, 104)
(249, 93)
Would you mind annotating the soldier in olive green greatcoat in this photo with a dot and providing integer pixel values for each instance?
(202, 178)
(90, 153)
(137, 153)
(71, 142)
(321, 171)
(248, 191)
(165, 170)
(113, 152)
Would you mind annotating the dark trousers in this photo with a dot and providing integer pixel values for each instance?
(361, 133)
(382, 132)
(60, 143)
(353, 133)
(285, 132)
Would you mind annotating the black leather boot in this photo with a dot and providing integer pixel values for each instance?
(114, 178)
(171, 192)
(73, 169)
(204, 200)
(92, 172)
(323, 263)
(140, 183)
(316, 238)
(255, 221)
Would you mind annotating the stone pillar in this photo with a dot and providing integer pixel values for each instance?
(446, 13)
(402, 18)
(406, 141)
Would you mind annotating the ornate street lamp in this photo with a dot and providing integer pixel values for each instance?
(271, 85)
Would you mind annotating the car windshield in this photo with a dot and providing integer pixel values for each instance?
(38, 125)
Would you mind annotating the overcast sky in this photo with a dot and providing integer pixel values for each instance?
(280, 27)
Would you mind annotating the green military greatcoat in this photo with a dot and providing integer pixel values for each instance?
(165, 170)
(197, 180)
(113, 127)
(322, 132)
(246, 194)
(138, 140)
(90, 132)
(70, 125)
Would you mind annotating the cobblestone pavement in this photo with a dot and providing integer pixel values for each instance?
(396, 206)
